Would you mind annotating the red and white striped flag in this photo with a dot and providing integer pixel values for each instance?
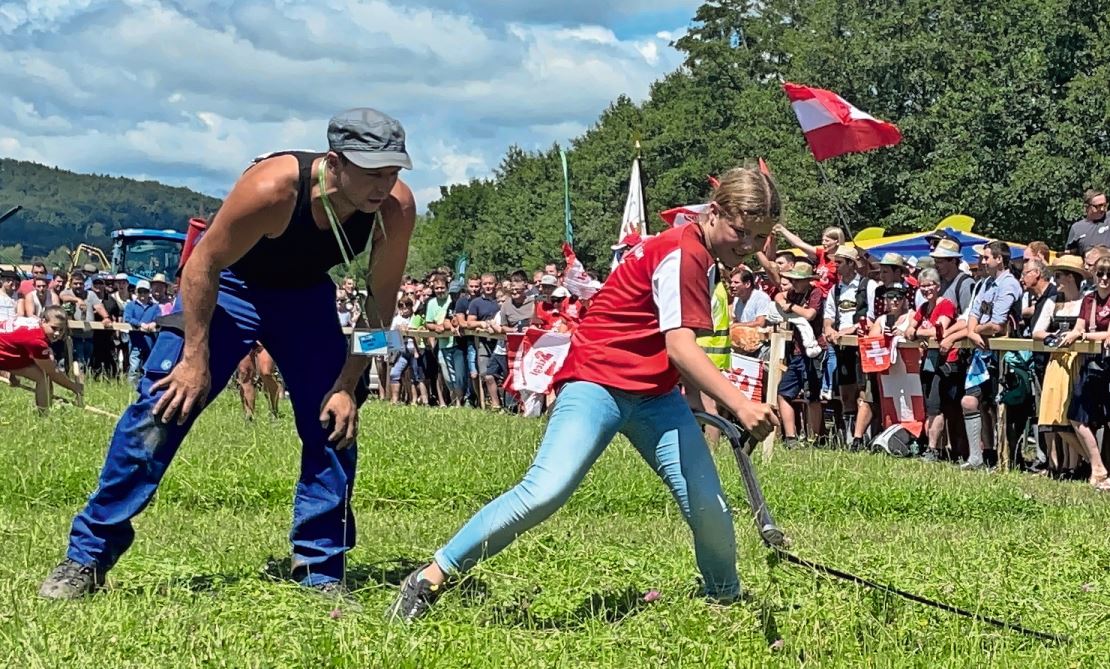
(901, 397)
(833, 126)
(680, 216)
(746, 374)
(534, 357)
(575, 279)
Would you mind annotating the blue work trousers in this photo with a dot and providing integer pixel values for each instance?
(300, 329)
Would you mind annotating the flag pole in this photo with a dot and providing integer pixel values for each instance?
(566, 199)
(841, 211)
(643, 193)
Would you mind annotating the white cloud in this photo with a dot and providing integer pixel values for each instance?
(188, 91)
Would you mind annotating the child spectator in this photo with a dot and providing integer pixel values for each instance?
(25, 352)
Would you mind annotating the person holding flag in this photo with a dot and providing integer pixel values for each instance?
(621, 375)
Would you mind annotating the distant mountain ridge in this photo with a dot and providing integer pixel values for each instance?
(63, 208)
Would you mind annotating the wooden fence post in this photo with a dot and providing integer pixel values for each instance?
(774, 375)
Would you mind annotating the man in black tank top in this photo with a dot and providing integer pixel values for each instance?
(260, 274)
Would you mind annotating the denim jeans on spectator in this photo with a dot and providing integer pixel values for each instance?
(828, 373)
(453, 361)
(405, 360)
(586, 418)
(136, 359)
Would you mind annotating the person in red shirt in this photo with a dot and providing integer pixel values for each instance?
(621, 375)
(822, 256)
(25, 352)
(941, 380)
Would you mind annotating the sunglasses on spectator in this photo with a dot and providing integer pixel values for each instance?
(1104, 274)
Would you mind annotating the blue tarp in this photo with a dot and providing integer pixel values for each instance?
(916, 246)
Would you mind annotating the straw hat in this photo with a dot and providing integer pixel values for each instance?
(802, 271)
(893, 259)
(947, 248)
(1071, 263)
(846, 252)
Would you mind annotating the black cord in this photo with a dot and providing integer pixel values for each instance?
(859, 580)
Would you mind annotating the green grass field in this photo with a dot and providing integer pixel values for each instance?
(203, 584)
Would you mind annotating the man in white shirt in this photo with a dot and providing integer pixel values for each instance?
(9, 284)
(844, 306)
(749, 304)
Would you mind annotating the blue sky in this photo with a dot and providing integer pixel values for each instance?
(188, 91)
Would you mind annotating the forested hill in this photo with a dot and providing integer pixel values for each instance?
(63, 208)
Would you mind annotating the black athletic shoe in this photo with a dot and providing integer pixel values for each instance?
(71, 580)
(416, 597)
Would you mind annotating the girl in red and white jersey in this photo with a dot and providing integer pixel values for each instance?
(621, 375)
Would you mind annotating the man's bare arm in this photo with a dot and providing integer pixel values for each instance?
(259, 204)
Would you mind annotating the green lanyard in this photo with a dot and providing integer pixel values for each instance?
(344, 243)
(337, 230)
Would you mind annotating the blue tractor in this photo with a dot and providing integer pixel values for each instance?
(141, 253)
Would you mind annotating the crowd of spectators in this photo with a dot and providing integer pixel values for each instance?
(460, 365)
(1056, 402)
(1056, 406)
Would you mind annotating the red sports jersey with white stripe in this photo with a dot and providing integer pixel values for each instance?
(660, 285)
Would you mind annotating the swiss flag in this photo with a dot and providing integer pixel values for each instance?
(902, 399)
(874, 354)
(833, 126)
(534, 356)
(746, 374)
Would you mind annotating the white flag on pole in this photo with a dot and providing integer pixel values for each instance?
(634, 222)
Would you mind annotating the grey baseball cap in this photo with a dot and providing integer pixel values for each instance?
(369, 138)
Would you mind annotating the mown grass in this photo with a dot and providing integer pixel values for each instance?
(202, 585)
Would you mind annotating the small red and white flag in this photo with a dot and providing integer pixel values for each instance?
(833, 126)
(575, 279)
(874, 354)
(746, 374)
(680, 216)
(534, 357)
(901, 397)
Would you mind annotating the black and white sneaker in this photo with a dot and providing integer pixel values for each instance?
(71, 580)
(416, 597)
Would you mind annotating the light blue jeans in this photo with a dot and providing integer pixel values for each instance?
(452, 360)
(586, 418)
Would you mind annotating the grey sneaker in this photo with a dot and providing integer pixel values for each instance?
(416, 597)
(931, 455)
(71, 580)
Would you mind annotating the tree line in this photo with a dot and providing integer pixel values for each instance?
(1002, 107)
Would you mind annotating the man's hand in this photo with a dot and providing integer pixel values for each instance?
(832, 335)
(340, 410)
(780, 299)
(977, 339)
(186, 388)
(756, 417)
